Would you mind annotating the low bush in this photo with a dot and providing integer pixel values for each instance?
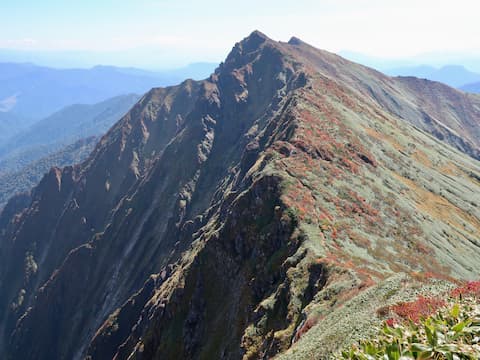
(428, 328)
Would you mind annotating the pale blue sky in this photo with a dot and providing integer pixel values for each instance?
(163, 33)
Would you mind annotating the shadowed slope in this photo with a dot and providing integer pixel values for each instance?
(227, 218)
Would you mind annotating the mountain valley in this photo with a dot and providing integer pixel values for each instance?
(64, 138)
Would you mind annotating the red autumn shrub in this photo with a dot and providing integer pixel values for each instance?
(390, 322)
(418, 309)
(471, 288)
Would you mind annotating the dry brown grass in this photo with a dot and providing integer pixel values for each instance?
(439, 207)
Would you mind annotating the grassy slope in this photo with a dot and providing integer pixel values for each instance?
(384, 211)
(412, 211)
(383, 208)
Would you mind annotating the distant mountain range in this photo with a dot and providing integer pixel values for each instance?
(11, 124)
(453, 75)
(61, 139)
(462, 72)
(68, 125)
(35, 92)
(21, 181)
(473, 88)
(53, 117)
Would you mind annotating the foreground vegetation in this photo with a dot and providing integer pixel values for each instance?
(428, 328)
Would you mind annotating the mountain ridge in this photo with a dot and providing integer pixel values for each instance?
(301, 183)
(36, 92)
(64, 138)
(70, 124)
(26, 178)
(452, 75)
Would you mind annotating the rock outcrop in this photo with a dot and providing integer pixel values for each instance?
(232, 217)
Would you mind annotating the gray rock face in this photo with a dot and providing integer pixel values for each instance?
(226, 218)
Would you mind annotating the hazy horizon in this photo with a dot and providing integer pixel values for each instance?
(156, 34)
(84, 59)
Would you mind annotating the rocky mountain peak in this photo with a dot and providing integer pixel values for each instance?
(248, 48)
(254, 40)
(233, 217)
(295, 41)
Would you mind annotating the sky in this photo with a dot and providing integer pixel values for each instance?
(166, 33)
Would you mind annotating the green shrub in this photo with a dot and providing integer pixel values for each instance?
(451, 333)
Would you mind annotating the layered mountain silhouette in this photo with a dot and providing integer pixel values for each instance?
(452, 75)
(35, 92)
(21, 179)
(11, 124)
(62, 128)
(268, 210)
(67, 137)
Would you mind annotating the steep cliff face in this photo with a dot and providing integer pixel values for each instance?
(233, 217)
(71, 206)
